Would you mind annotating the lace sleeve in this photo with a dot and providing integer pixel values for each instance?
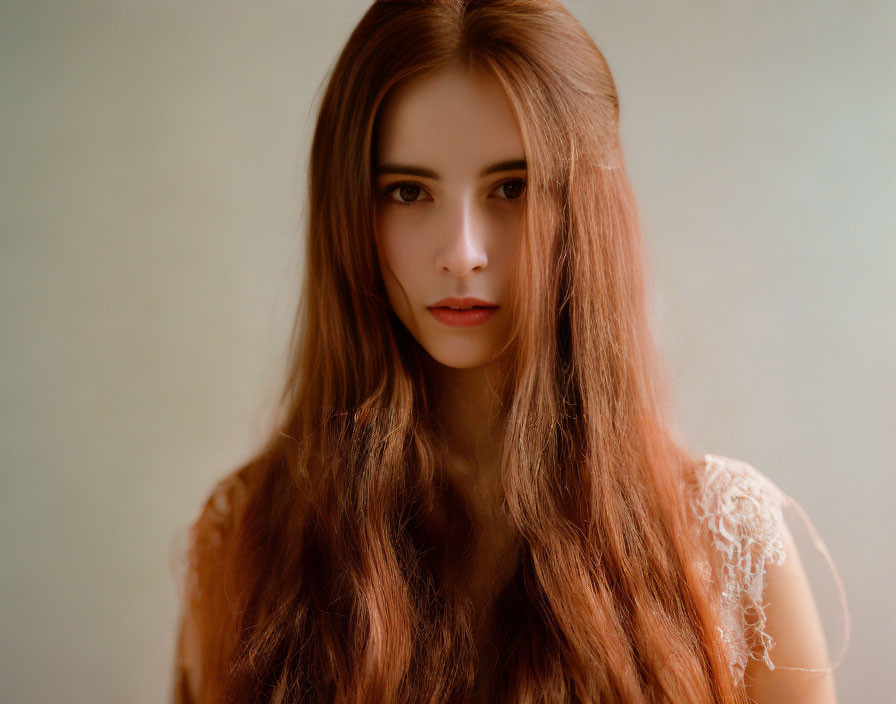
(740, 510)
(741, 518)
(224, 505)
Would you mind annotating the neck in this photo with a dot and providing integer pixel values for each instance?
(470, 427)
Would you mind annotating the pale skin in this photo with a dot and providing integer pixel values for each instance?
(459, 237)
(794, 623)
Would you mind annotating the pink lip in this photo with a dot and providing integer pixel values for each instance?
(462, 318)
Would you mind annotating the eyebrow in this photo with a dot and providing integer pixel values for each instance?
(410, 170)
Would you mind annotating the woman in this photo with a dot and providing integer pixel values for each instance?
(473, 492)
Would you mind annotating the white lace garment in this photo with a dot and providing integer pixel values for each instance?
(740, 510)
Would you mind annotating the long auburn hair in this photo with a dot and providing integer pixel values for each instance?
(332, 578)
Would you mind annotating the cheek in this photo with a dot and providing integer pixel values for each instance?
(400, 266)
(400, 254)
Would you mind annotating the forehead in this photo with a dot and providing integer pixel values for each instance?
(453, 119)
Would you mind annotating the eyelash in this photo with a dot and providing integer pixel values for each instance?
(384, 193)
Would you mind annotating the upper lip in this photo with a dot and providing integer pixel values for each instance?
(467, 302)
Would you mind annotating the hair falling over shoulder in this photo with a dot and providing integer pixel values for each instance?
(322, 570)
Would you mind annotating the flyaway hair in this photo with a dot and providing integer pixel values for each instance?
(324, 569)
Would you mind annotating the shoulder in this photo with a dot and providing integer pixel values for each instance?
(222, 508)
(740, 519)
(729, 489)
(767, 606)
(187, 660)
(739, 514)
(799, 670)
(218, 515)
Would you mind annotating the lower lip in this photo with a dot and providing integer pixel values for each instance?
(462, 318)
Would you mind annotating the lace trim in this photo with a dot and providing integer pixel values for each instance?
(741, 509)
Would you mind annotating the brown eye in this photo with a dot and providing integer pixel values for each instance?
(513, 189)
(408, 192)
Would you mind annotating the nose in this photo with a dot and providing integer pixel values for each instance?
(462, 248)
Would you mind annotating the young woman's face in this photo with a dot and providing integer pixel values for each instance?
(450, 179)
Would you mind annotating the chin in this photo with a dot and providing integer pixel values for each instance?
(469, 353)
(459, 358)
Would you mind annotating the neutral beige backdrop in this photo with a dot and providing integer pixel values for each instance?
(153, 159)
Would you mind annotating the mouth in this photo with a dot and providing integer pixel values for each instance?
(462, 317)
(463, 307)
